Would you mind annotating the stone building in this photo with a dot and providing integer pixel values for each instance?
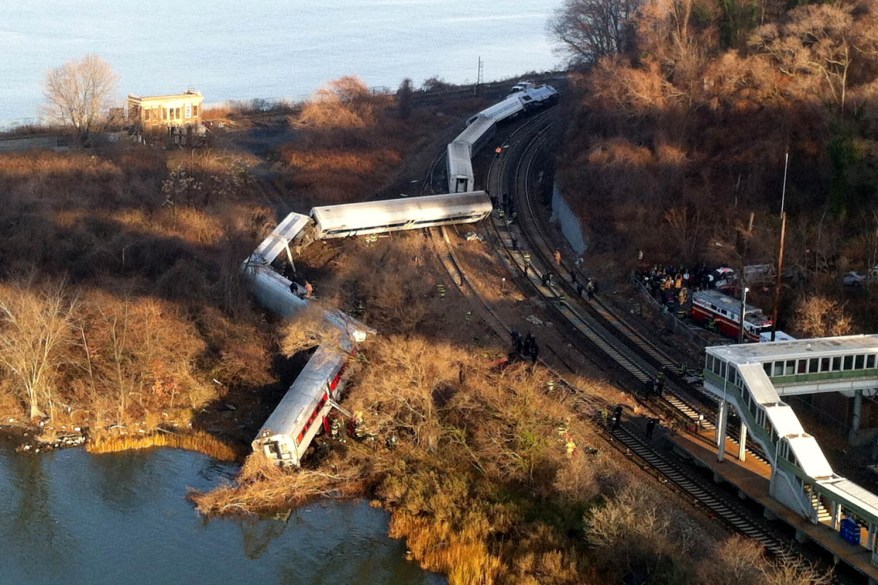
(180, 111)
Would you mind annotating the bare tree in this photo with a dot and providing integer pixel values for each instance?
(590, 29)
(79, 92)
(819, 316)
(815, 47)
(35, 327)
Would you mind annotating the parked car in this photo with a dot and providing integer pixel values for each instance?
(724, 278)
(853, 279)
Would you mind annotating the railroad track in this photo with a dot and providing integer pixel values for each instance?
(601, 330)
(623, 344)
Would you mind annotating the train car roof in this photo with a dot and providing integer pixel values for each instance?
(304, 394)
(369, 213)
(475, 130)
(504, 109)
(459, 161)
(280, 237)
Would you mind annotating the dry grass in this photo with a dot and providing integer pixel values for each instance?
(200, 442)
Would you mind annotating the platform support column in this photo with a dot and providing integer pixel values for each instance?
(835, 511)
(857, 415)
(722, 416)
(742, 447)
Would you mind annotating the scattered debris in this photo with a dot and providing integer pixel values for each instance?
(473, 236)
(534, 319)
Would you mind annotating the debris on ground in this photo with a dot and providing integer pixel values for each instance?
(534, 319)
(473, 237)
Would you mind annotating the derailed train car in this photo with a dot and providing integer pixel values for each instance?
(302, 412)
(460, 152)
(525, 97)
(371, 217)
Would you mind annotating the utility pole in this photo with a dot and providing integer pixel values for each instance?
(479, 74)
(783, 231)
(744, 291)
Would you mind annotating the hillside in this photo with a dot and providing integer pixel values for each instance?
(687, 126)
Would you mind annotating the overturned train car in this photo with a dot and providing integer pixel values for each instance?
(301, 414)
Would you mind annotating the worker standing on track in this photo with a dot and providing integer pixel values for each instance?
(589, 289)
(650, 427)
(617, 417)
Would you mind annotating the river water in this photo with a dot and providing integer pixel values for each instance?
(278, 49)
(69, 517)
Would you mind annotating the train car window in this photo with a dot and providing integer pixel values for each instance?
(836, 364)
(722, 370)
(813, 366)
(858, 362)
(870, 360)
(802, 367)
(767, 367)
(848, 362)
(824, 364)
(791, 368)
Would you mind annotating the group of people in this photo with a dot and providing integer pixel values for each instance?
(524, 347)
(301, 288)
(671, 284)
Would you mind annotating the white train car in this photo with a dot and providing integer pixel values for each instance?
(273, 292)
(372, 217)
(281, 238)
(477, 134)
(298, 418)
(506, 109)
(460, 168)
(460, 153)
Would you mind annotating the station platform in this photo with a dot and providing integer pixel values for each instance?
(751, 478)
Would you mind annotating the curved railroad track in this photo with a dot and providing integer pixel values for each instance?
(521, 244)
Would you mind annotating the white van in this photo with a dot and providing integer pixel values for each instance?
(765, 336)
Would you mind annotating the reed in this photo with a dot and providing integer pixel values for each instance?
(200, 442)
(460, 554)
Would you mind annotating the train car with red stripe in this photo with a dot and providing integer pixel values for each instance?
(302, 412)
(722, 313)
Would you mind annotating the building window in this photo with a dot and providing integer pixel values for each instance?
(195, 111)
(778, 368)
(164, 114)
